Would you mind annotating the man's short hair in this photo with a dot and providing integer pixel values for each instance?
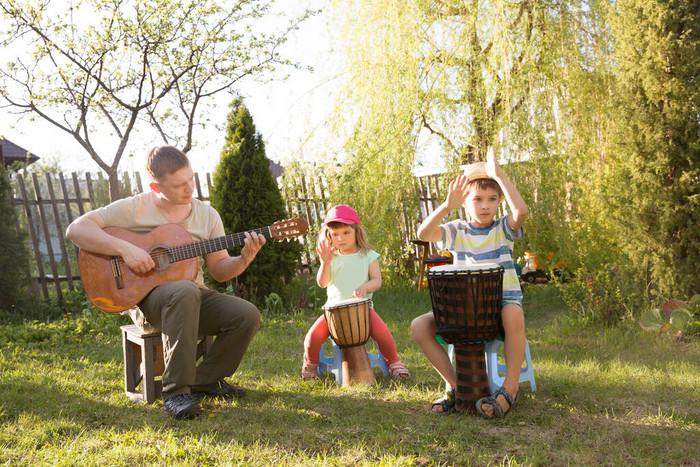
(165, 160)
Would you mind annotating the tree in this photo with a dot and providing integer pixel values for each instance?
(125, 64)
(247, 196)
(656, 142)
(14, 256)
(445, 79)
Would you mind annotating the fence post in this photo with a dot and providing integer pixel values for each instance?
(59, 230)
(33, 235)
(47, 236)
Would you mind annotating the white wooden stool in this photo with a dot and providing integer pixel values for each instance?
(146, 363)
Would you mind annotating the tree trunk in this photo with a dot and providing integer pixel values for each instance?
(114, 185)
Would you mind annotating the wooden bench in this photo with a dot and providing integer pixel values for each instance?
(143, 362)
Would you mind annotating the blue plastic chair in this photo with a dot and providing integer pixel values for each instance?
(334, 363)
(495, 369)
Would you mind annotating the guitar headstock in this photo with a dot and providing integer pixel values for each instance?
(289, 228)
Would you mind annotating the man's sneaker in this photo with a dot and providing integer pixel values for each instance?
(222, 390)
(182, 406)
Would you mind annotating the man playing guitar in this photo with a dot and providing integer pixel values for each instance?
(182, 309)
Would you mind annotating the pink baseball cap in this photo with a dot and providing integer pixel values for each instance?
(342, 213)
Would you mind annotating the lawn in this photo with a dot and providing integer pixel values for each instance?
(605, 396)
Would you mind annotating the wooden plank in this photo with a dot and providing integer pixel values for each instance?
(139, 186)
(306, 199)
(91, 194)
(47, 236)
(60, 229)
(78, 196)
(33, 235)
(323, 195)
(198, 186)
(69, 211)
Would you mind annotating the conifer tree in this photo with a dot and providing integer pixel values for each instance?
(657, 143)
(246, 196)
(14, 256)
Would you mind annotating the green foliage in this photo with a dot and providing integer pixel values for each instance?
(676, 317)
(384, 213)
(446, 80)
(562, 130)
(656, 145)
(14, 255)
(247, 197)
(314, 183)
(596, 296)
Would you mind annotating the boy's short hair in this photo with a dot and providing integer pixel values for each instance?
(165, 160)
(483, 183)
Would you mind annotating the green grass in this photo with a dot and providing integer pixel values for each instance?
(605, 396)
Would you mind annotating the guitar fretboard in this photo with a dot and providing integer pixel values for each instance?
(190, 250)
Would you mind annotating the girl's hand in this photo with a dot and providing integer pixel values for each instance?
(458, 192)
(493, 170)
(325, 251)
(360, 292)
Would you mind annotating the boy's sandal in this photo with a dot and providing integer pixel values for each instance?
(399, 371)
(447, 403)
(493, 402)
(309, 370)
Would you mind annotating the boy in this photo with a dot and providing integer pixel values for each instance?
(480, 240)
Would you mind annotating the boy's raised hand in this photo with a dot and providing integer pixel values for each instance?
(493, 169)
(458, 192)
(325, 251)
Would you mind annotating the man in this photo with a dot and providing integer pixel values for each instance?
(180, 310)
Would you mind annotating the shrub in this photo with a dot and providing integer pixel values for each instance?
(14, 256)
(595, 296)
(247, 196)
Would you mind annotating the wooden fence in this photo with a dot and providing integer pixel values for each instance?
(48, 203)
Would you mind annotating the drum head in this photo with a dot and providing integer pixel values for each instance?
(466, 268)
(346, 302)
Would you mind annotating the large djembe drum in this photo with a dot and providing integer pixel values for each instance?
(348, 323)
(467, 303)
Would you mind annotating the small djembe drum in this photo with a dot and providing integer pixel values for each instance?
(348, 323)
(467, 303)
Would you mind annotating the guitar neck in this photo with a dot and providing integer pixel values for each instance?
(190, 250)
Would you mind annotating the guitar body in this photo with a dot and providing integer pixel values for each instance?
(112, 295)
(113, 287)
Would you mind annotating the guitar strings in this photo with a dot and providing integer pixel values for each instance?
(175, 250)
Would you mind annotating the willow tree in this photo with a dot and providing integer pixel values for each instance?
(657, 144)
(445, 79)
(100, 70)
(563, 129)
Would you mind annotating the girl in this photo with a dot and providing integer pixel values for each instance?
(349, 269)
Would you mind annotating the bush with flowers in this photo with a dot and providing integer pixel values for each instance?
(594, 296)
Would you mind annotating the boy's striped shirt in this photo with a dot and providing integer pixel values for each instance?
(483, 245)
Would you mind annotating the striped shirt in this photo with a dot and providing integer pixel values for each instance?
(483, 245)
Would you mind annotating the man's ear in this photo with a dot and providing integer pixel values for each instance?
(154, 186)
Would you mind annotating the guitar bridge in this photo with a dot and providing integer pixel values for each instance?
(117, 272)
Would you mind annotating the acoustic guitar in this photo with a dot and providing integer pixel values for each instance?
(113, 287)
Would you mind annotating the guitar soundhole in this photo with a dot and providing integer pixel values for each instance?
(161, 257)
